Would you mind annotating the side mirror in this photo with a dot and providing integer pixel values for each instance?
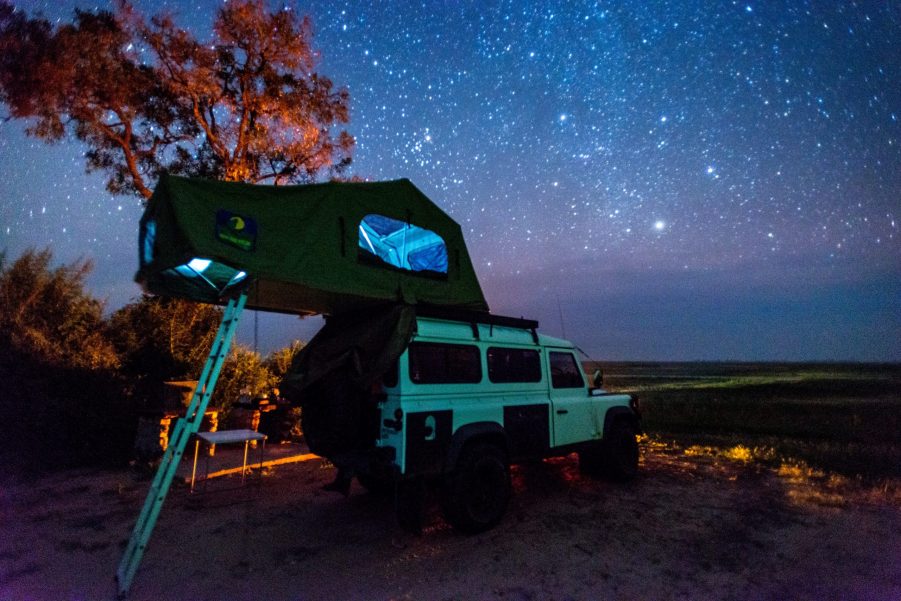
(597, 379)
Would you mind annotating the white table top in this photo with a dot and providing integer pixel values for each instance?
(229, 436)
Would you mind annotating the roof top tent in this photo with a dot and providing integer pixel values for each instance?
(363, 254)
(321, 248)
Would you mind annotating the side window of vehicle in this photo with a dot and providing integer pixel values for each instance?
(513, 365)
(565, 372)
(437, 363)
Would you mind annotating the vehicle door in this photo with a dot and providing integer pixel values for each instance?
(572, 409)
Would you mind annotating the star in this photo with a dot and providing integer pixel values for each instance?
(666, 137)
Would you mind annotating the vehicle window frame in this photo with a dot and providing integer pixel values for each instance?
(413, 369)
(570, 382)
(492, 374)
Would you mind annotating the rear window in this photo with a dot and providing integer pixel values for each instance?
(437, 363)
(513, 365)
(565, 372)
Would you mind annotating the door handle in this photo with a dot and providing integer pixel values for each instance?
(562, 411)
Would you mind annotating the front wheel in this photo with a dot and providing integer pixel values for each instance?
(478, 490)
(619, 451)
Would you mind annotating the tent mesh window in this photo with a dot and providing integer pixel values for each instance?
(402, 245)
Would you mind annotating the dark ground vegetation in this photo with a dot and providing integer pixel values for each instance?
(842, 418)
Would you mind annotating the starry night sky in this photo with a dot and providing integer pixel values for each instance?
(655, 180)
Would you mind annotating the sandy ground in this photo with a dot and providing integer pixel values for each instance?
(692, 526)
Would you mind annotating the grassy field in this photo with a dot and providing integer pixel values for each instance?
(843, 418)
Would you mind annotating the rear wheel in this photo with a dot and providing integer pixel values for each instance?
(478, 490)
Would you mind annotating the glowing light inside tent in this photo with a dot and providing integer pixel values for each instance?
(149, 234)
(199, 265)
(208, 273)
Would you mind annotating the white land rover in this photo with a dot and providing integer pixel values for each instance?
(473, 393)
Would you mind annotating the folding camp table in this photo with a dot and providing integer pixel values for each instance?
(227, 437)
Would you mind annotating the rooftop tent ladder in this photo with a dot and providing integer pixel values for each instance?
(181, 434)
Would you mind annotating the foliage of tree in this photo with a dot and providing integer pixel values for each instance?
(163, 339)
(46, 314)
(242, 373)
(160, 339)
(148, 96)
(278, 362)
(62, 401)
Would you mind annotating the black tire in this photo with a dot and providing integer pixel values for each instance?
(591, 459)
(620, 452)
(478, 490)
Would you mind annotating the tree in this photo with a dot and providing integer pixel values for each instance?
(147, 96)
(279, 362)
(242, 372)
(62, 400)
(161, 339)
(46, 315)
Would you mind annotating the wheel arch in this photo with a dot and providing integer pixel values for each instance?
(617, 414)
(490, 432)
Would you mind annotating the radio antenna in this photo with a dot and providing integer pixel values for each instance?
(560, 311)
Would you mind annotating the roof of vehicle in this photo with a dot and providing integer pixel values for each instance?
(546, 340)
(486, 327)
(320, 248)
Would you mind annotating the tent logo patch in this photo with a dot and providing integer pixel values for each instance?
(236, 230)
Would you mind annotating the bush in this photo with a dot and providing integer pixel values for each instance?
(242, 373)
(160, 339)
(279, 362)
(63, 401)
(163, 339)
(46, 314)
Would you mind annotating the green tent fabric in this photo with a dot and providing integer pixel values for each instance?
(331, 377)
(321, 248)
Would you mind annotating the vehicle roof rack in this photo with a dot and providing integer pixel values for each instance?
(476, 317)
